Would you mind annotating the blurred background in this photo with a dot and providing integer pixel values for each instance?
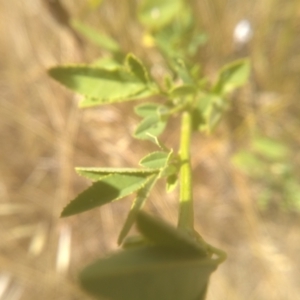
(247, 193)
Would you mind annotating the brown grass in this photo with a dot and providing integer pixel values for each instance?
(44, 136)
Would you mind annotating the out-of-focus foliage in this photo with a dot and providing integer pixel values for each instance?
(94, 3)
(269, 163)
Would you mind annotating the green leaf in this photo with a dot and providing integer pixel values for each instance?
(171, 167)
(148, 273)
(163, 234)
(155, 14)
(270, 148)
(90, 101)
(183, 72)
(96, 37)
(152, 110)
(96, 174)
(134, 65)
(209, 112)
(150, 125)
(108, 189)
(172, 181)
(232, 76)
(155, 160)
(107, 62)
(138, 203)
(137, 68)
(169, 170)
(166, 41)
(101, 86)
(146, 109)
(183, 91)
(213, 117)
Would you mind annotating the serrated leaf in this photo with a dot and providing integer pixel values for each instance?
(150, 125)
(95, 36)
(96, 174)
(137, 68)
(155, 160)
(101, 86)
(148, 273)
(232, 76)
(161, 233)
(108, 189)
(89, 101)
(270, 148)
(139, 201)
(155, 14)
(146, 109)
(107, 62)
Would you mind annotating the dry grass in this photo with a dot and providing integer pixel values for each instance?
(44, 136)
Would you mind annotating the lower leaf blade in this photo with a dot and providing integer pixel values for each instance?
(148, 273)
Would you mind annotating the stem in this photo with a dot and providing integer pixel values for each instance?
(186, 210)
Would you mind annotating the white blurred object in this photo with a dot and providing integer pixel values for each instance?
(155, 13)
(4, 283)
(64, 249)
(38, 240)
(15, 292)
(242, 32)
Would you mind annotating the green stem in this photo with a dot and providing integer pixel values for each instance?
(186, 210)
